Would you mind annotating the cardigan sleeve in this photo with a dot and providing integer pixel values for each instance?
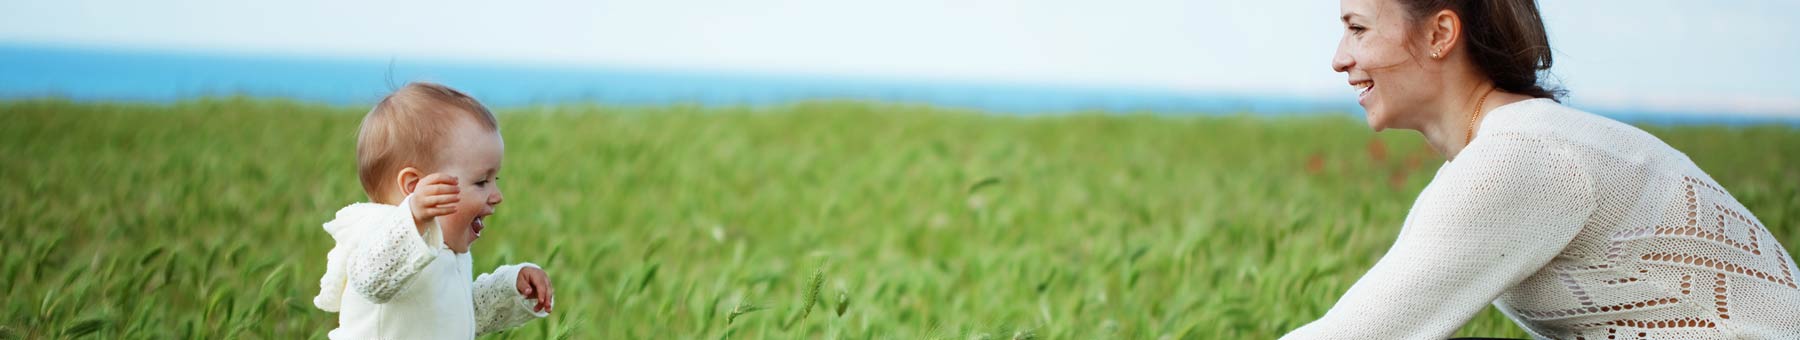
(498, 304)
(391, 256)
(1496, 215)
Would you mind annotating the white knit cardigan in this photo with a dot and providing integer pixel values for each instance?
(386, 280)
(1574, 226)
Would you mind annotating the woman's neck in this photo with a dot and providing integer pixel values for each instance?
(1451, 131)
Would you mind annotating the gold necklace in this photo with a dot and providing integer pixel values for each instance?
(1469, 137)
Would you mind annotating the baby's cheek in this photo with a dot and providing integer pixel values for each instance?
(475, 196)
(465, 213)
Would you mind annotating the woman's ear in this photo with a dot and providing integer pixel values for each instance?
(408, 179)
(1445, 31)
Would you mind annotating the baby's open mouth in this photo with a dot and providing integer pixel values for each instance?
(478, 226)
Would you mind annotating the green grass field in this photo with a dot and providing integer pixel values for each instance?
(202, 219)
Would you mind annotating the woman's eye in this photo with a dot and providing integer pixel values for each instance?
(1357, 29)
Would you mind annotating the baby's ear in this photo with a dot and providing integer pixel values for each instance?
(408, 179)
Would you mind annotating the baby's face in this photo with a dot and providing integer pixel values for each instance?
(473, 156)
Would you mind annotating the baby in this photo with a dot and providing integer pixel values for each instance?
(429, 159)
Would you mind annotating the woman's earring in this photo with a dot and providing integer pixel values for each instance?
(1434, 54)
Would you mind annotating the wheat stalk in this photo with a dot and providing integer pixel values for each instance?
(741, 309)
(811, 298)
(843, 302)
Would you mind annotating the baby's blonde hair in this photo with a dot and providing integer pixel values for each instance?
(407, 128)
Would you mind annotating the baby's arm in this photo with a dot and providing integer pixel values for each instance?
(499, 303)
(390, 256)
(396, 248)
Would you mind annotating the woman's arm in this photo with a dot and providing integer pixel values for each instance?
(1501, 212)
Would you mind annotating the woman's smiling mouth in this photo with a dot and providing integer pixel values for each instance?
(1363, 88)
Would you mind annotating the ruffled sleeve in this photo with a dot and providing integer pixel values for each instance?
(391, 254)
(498, 304)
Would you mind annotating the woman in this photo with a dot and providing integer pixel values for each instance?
(1573, 225)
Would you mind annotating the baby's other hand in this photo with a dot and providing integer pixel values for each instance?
(535, 284)
(434, 196)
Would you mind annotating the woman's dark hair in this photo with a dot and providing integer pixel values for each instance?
(1506, 40)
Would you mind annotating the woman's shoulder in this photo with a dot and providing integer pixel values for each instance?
(1599, 144)
(1547, 119)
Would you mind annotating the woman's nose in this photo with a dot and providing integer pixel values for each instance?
(1341, 61)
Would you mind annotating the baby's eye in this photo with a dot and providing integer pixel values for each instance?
(481, 183)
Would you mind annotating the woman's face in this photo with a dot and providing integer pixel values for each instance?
(1393, 84)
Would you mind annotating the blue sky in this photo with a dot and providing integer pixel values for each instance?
(1628, 55)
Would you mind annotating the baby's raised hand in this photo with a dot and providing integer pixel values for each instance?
(434, 196)
(534, 283)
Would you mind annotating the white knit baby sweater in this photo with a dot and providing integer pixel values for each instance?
(1576, 227)
(387, 281)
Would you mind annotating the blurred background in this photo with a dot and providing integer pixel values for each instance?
(1624, 58)
(769, 169)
